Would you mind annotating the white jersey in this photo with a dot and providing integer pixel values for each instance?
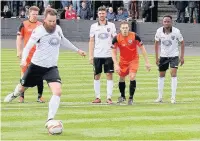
(103, 35)
(47, 46)
(169, 42)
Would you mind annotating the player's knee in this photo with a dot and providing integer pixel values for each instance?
(122, 79)
(58, 92)
(97, 77)
(109, 76)
(132, 77)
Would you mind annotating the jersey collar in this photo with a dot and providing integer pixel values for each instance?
(164, 30)
(105, 24)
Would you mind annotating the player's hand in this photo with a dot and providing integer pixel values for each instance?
(91, 60)
(181, 60)
(23, 64)
(82, 53)
(19, 55)
(148, 66)
(117, 68)
(157, 61)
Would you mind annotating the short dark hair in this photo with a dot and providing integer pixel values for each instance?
(102, 8)
(168, 16)
(50, 11)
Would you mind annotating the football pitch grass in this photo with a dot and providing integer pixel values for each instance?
(145, 120)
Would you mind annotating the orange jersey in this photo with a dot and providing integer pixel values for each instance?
(127, 46)
(25, 30)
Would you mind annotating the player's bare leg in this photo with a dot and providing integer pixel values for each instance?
(132, 87)
(17, 92)
(97, 86)
(161, 81)
(122, 86)
(173, 84)
(109, 87)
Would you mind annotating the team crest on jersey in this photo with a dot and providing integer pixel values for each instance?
(108, 29)
(130, 41)
(172, 37)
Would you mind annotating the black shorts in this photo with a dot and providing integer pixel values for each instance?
(166, 61)
(107, 63)
(35, 74)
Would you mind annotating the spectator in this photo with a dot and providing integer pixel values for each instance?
(6, 12)
(111, 15)
(193, 9)
(84, 12)
(22, 14)
(76, 5)
(66, 3)
(146, 10)
(70, 14)
(62, 14)
(121, 14)
(133, 8)
(181, 5)
(126, 4)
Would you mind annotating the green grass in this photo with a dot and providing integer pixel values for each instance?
(82, 120)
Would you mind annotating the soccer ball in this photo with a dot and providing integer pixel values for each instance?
(55, 127)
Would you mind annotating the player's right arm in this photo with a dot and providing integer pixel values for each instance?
(114, 54)
(19, 40)
(156, 44)
(91, 44)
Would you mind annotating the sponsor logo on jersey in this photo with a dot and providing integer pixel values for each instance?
(54, 41)
(167, 43)
(108, 29)
(103, 36)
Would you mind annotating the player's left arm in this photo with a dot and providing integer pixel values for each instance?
(180, 38)
(143, 50)
(66, 43)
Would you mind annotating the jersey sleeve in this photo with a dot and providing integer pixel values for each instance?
(92, 31)
(138, 40)
(179, 36)
(157, 36)
(21, 29)
(114, 43)
(65, 42)
(114, 33)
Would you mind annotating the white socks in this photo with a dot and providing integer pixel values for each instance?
(161, 81)
(97, 86)
(173, 87)
(109, 88)
(53, 106)
(161, 86)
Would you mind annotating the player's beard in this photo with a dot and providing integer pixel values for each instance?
(49, 28)
(168, 28)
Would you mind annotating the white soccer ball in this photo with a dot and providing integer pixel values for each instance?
(55, 127)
